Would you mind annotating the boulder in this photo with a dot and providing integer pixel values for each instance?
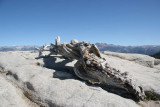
(144, 60)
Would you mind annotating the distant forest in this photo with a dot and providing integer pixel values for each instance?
(157, 55)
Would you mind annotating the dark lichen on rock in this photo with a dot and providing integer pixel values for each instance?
(152, 96)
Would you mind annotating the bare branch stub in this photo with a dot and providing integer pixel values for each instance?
(91, 66)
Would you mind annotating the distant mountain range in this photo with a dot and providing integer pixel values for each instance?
(16, 48)
(146, 49)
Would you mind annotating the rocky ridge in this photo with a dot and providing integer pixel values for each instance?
(51, 82)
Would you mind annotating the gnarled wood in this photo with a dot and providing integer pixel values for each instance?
(91, 66)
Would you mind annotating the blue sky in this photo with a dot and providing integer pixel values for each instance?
(121, 22)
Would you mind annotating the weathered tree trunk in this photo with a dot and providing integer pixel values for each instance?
(92, 67)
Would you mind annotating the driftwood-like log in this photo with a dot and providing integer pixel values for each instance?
(91, 66)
